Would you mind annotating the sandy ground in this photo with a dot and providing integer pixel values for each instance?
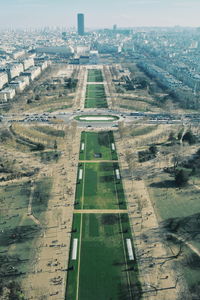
(48, 279)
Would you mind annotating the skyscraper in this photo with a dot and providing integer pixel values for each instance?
(81, 30)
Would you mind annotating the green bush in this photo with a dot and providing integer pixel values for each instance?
(181, 177)
(148, 154)
(189, 137)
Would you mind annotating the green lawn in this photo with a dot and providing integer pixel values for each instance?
(96, 103)
(99, 188)
(95, 91)
(97, 142)
(105, 269)
(95, 76)
(95, 96)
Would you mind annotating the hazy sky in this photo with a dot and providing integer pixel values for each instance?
(99, 13)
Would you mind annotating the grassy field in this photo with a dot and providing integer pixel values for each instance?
(95, 96)
(172, 202)
(99, 188)
(178, 210)
(49, 130)
(97, 142)
(18, 232)
(102, 267)
(142, 130)
(95, 76)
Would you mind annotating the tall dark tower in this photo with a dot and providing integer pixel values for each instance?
(81, 29)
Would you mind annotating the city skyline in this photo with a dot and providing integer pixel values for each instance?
(129, 13)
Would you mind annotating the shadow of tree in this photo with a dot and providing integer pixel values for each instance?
(187, 227)
(163, 184)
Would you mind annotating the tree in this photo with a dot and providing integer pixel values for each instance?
(181, 178)
(180, 134)
(171, 137)
(29, 101)
(153, 149)
(177, 155)
(189, 137)
(55, 145)
(37, 97)
(40, 147)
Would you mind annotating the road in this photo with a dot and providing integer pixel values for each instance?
(68, 116)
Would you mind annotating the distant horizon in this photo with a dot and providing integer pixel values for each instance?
(88, 29)
(104, 14)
